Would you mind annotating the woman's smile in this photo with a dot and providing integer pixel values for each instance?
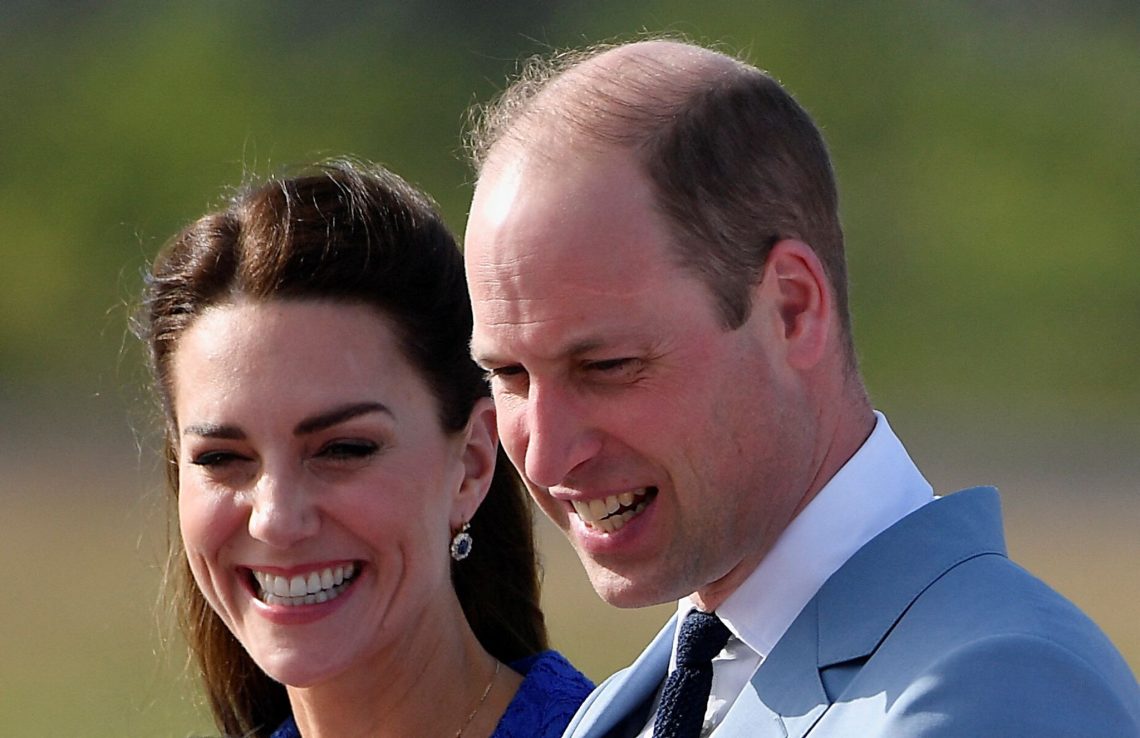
(316, 587)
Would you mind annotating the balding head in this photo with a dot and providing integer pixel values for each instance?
(604, 96)
(735, 163)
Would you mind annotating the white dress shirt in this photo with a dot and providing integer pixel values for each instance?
(876, 488)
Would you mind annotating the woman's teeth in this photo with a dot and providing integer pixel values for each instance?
(609, 514)
(308, 589)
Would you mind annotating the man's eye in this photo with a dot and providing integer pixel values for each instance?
(622, 368)
(503, 372)
(511, 378)
(611, 365)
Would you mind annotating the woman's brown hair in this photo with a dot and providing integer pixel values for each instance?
(358, 234)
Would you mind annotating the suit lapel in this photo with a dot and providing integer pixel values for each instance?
(857, 607)
(785, 696)
(628, 689)
(862, 601)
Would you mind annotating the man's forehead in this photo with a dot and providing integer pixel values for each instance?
(525, 198)
(553, 253)
(554, 338)
(497, 190)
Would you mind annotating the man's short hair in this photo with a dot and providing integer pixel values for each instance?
(735, 162)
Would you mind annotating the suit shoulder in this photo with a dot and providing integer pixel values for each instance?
(989, 649)
(1015, 684)
(991, 595)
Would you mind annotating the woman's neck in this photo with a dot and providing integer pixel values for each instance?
(427, 684)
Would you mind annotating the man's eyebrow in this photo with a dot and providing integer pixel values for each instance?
(338, 415)
(583, 346)
(481, 360)
(572, 350)
(482, 355)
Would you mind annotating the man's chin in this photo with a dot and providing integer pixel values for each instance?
(624, 590)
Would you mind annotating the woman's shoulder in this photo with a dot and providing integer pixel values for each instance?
(551, 691)
(287, 729)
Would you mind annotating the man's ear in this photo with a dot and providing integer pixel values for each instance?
(480, 446)
(796, 287)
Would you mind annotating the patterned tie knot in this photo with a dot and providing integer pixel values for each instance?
(702, 636)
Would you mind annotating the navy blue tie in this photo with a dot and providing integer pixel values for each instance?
(686, 695)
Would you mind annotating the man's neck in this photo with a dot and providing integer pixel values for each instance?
(847, 427)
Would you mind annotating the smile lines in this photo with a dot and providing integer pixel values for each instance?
(611, 513)
(311, 589)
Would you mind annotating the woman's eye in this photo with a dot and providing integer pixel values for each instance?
(214, 459)
(348, 450)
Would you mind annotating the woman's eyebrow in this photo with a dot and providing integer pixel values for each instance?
(214, 430)
(339, 415)
(309, 425)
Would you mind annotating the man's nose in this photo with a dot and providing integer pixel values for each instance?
(283, 513)
(559, 434)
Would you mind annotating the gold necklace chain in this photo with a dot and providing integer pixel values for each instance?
(486, 691)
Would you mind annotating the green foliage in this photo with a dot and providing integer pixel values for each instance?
(987, 159)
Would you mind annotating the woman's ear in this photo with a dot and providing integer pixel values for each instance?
(480, 445)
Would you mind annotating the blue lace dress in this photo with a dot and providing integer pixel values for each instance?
(548, 697)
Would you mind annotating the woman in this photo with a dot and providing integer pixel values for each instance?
(356, 556)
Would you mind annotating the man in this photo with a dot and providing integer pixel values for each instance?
(657, 272)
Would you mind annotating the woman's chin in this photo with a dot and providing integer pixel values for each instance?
(297, 671)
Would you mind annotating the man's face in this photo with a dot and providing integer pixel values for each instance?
(669, 450)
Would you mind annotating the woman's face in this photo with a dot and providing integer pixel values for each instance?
(318, 491)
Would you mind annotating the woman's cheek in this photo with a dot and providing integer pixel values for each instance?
(207, 523)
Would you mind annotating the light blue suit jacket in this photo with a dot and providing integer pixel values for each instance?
(928, 630)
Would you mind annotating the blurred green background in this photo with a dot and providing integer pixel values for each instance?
(988, 157)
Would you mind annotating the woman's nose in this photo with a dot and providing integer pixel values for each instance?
(283, 513)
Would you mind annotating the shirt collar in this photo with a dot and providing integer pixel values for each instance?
(876, 488)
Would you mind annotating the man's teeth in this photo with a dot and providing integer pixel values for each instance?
(613, 512)
(306, 589)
